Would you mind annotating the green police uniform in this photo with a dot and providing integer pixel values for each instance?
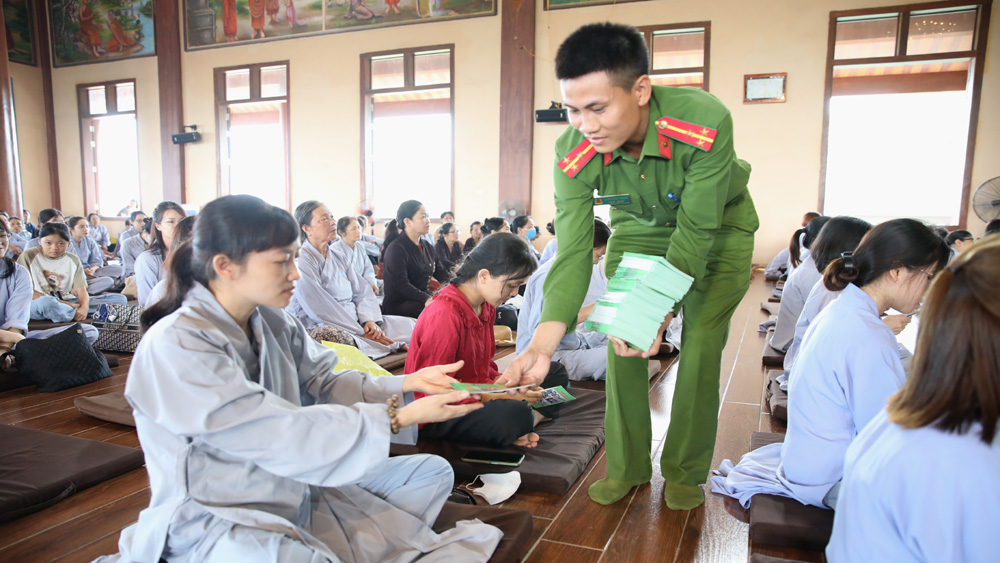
(685, 198)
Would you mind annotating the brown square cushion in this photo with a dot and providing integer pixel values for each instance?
(38, 469)
(770, 308)
(392, 361)
(777, 398)
(516, 526)
(783, 521)
(774, 299)
(565, 447)
(111, 407)
(771, 357)
(772, 277)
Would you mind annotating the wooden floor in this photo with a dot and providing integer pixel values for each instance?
(568, 527)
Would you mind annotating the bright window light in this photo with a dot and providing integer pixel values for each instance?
(411, 159)
(117, 161)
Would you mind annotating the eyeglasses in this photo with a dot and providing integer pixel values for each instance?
(930, 275)
(169, 222)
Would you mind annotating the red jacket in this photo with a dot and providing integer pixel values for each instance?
(448, 330)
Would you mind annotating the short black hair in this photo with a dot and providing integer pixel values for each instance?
(955, 236)
(992, 227)
(618, 49)
(135, 214)
(58, 229)
(519, 222)
(91, 215)
(447, 213)
(48, 214)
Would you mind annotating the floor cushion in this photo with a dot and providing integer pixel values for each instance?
(516, 526)
(566, 445)
(777, 398)
(392, 361)
(38, 469)
(771, 357)
(111, 407)
(783, 521)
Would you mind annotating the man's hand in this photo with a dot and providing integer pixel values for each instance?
(529, 368)
(623, 350)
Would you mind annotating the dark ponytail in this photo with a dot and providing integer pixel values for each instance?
(233, 226)
(502, 254)
(840, 234)
(407, 210)
(897, 243)
(811, 231)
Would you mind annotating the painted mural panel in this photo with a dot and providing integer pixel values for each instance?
(562, 4)
(214, 23)
(20, 31)
(92, 31)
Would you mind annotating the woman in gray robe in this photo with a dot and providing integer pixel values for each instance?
(332, 294)
(256, 449)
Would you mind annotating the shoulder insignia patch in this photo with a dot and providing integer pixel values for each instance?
(694, 135)
(573, 162)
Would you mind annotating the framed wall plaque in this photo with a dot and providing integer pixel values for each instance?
(764, 88)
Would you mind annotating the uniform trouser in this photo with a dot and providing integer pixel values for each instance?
(694, 415)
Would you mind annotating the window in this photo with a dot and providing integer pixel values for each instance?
(109, 146)
(903, 87)
(678, 53)
(407, 102)
(252, 113)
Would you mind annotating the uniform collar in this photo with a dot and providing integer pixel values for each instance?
(652, 145)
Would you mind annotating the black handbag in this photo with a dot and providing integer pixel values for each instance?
(64, 360)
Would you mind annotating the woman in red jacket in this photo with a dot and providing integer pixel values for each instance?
(458, 325)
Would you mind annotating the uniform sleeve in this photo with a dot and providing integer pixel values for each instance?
(703, 201)
(18, 306)
(395, 277)
(567, 282)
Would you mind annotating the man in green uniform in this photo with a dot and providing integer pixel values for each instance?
(663, 158)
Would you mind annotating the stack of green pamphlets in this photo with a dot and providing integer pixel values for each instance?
(642, 292)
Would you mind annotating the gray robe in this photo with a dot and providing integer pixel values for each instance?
(331, 293)
(258, 451)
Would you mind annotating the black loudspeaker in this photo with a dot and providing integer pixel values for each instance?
(188, 137)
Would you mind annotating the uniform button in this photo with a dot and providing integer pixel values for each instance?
(665, 144)
(642, 176)
(668, 224)
(654, 207)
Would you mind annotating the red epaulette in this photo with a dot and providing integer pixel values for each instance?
(573, 162)
(694, 135)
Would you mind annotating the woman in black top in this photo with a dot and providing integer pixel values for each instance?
(448, 251)
(409, 262)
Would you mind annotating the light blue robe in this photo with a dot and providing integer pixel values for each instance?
(90, 255)
(357, 257)
(131, 248)
(148, 271)
(847, 368)
(793, 299)
(331, 293)
(258, 451)
(920, 495)
(15, 299)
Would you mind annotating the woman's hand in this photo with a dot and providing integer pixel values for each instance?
(436, 408)
(623, 350)
(372, 331)
(897, 322)
(80, 314)
(432, 380)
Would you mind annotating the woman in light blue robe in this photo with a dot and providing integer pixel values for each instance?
(100, 278)
(921, 481)
(257, 450)
(331, 294)
(847, 367)
(149, 264)
(352, 249)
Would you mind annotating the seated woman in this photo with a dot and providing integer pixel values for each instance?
(524, 226)
(132, 247)
(100, 278)
(920, 481)
(60, 288)
(797, 287)
(475, 235)
(549, 252)
(848, 366)
(183, 232)
(332, 301)
(448, 251)
(458, 324)
(149, 264)
(959, 241)
(494, 225)
(409, 262)
(583, 352)
(284, 458)
(352, 249)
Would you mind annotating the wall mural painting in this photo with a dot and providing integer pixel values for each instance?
(214, 23)
(92, 31)
(20, 31)
(563, 4)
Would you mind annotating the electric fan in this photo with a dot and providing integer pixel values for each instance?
(510, 209)
(986, 202)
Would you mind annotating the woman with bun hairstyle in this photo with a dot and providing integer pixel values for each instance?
(494, 225)
(409, 262)
(848, 366)
(257, 448)
(797, 287)
(920, 481)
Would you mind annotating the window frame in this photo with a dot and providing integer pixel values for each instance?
(977, 56)
(649, 30)
(408, 86)
(91, 185)
(222, 128)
